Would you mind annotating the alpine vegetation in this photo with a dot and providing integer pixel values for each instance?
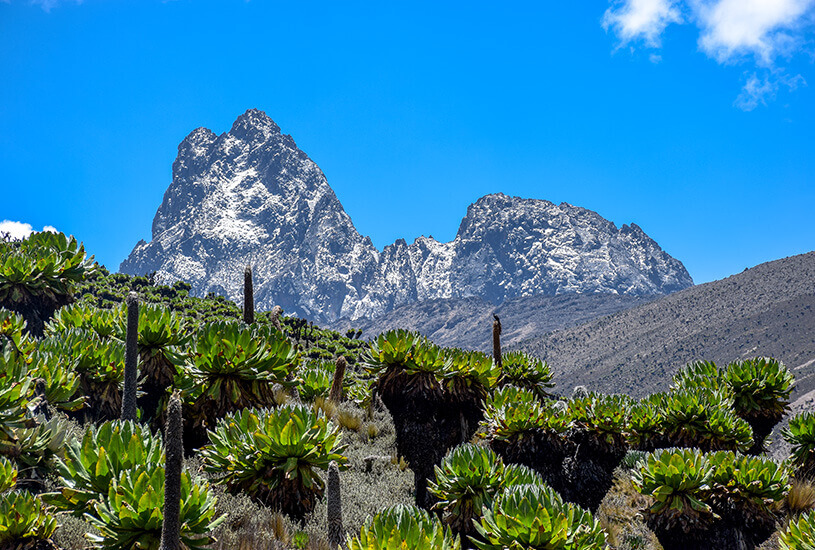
(280, 434)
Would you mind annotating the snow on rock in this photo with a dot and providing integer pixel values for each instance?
(250, 196)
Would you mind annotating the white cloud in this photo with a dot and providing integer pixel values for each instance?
(763, 28)
(758, 90)
(757, 32)
(20, 230)
(641, 19)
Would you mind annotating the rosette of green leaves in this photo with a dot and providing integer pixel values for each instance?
(90, 465)
(689, 417)
(37, 444)
(467, 480)
(679, 480)
(761, 387)
(131, 513)
(752, 484)
(315, 379)
(801, 435)
(162, 345)
(59, 377)
(390, 349)
(700, 374)
(15, 389)
(511, 412)
(470, 375)
(799, 534)
(603, 416)
(403, 526)
(163, 334)
(8, 474)
(12, 336)
(24, 519)
(44, 264)
(359, 391)
(234, 367)
(525, 371)
(518, 474)
(100, 364)
(275, 455)
(106, 323)
(646, 420)
(534, 516)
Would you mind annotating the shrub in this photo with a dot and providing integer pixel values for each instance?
(105, 322)
(598, 435)
(403, 526)
(100, 364)
(24, 518)
(162, 341)
(131, 514)
(524, 371)
(275, 455)
(466, 481)
(711, 500)
(60, 382)
(314, 380)
(760, 389)
(801, 435)
(799, 534)
(38, 275)
(236, 366)
(12, 333)
(533, 516)
(685, 417)
(679, 481)
(90, 465)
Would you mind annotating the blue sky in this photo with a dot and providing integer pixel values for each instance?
(693, 119)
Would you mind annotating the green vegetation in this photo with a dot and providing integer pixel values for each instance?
(38, 275)
(498, 459)
(131, 513)
(468, 479)
(404, 527)
(534, 516)
(275, 455)
(760, 389)
(801, 435)
(710, 498)
(104, 453)
(23, 516)
(799, 534)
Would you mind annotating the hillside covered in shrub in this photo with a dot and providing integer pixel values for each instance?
(135, 416)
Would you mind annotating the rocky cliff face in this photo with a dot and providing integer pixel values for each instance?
(250, 196)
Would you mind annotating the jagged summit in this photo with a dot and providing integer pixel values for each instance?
(251, 196)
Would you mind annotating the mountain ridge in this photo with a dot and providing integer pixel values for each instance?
(768, 309)
(250, 196)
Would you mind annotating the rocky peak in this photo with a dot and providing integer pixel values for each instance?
(251, 196)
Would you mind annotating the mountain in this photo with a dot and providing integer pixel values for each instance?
(467, 322)
(250, 196)
(766, 310)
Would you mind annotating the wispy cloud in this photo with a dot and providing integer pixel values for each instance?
(48, 5)
(757, 32)
(20, 230)
(644, 20)
(759, 89)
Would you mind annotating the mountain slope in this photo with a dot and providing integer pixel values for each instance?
(467, 322)
(250, 196)
(766, 310)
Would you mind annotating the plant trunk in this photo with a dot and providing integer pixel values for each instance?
(131, 358)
